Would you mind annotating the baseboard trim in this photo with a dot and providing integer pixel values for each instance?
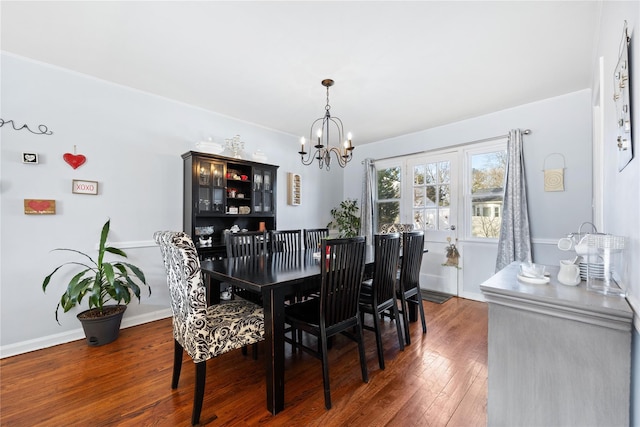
(75, 334)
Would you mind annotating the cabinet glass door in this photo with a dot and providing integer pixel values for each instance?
(210, 186)
(263, 190)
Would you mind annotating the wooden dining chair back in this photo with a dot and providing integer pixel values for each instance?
(337, 309)
(378, 294)
(246, 243)
(409, 286)
(285, 240)
(313, 237)
(202, 331)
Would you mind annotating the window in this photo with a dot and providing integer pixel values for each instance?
(486, 184)
(389, 193)
(425, 190)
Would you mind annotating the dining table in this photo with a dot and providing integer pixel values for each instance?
(274, 277)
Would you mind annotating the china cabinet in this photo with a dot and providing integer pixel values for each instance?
(222, 192)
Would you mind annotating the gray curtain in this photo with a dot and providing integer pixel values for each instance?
(366, 208)
(515, 237)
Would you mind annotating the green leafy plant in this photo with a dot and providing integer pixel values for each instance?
(101, 281)
(346, 218)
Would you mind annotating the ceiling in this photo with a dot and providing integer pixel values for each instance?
(399, 67)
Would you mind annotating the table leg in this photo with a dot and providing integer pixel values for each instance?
(213, 289)
(273, 303)
(413, 313)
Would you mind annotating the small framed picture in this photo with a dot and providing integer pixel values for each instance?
(30, 158)
(84, 187)
(39, 207)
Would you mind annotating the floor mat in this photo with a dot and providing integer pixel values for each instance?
(437, 297)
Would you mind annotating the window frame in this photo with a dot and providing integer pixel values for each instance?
(463, 175)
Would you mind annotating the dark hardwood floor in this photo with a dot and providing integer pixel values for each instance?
(439, 380)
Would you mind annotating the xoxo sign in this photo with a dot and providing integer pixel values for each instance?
(84, 187)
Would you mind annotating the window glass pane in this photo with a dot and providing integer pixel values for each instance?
(445, 172)
(418, 220)
(389, 183)
(430, 219)
(444, 219)
(418, 175)
(432, 173)
(418, 197)
(445, 195)
(488, 171)
(431, 196)
(388, 213)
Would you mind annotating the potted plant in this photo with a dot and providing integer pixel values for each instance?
(346, 218)
(100, 281)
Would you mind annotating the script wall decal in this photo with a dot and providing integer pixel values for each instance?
(42, 129)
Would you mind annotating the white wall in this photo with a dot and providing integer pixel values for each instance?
(133, 142)
(622, 189)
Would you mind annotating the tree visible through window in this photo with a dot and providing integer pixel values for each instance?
(389, 194)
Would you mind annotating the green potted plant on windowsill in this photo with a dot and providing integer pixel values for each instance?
(346, 218)
(100, 281)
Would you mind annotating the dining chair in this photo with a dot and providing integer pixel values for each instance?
(337, 309)
(379, 293)
(246, 243)
(408, 290)
(204, 332)
(313, 237)
(285, 240)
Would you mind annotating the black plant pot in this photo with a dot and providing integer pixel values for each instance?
(102, 328)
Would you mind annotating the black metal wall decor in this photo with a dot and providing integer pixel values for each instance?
(622, 99)
(42, 129)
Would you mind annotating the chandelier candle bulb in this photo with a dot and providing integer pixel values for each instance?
(302, 141)
(319, 138)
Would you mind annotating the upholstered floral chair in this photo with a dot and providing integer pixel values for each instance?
(202, 331)
(395, 228)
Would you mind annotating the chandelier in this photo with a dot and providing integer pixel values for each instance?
(327, 129)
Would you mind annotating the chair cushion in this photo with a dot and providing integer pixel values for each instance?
(228, 326)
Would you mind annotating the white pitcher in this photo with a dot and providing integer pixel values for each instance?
(569, 273)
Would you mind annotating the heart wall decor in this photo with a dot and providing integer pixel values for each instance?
(74, 160)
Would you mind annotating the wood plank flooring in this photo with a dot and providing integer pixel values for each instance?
(439, 380)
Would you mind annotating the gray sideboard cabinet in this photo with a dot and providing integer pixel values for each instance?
(558, 355)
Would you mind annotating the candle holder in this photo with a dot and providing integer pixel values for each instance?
(235, 146)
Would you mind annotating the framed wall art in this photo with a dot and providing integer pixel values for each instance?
(39, 207)
(84, 187)
(622, 99)
(30, 158)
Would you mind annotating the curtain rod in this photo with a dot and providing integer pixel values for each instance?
(477, 141)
